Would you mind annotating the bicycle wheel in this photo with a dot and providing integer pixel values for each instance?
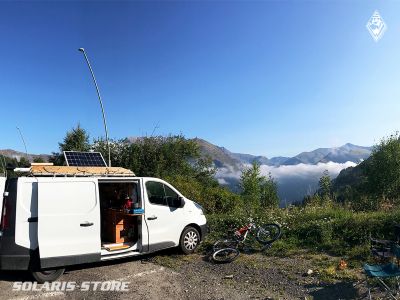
(225, 255)
(222, 244)
(269, 233)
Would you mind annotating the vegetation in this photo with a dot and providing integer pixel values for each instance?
(375, 183)
(331, 229)
(258, 192)
(8, 161)
(75, 140)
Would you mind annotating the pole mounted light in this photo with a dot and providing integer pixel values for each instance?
(101, 104)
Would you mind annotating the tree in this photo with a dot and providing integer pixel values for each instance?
(75, 140)
(38, 159)
(325, 186)
(258, 191)
(23, 162)
(7, 161)
(269, 195)
(383, 170)
(250, 185)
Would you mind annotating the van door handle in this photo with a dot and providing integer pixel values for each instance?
(86, 224)
(152, 218)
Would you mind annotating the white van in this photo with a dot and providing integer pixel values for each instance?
(54, 217)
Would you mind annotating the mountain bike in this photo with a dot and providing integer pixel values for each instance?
(228, 249)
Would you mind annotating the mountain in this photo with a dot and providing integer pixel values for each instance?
(248, 158)
(347, 152)
(277, 161)
(220, 156)
(312, 157)
(17, 155)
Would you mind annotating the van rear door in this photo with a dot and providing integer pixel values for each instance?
(2, 189)
(68, 221)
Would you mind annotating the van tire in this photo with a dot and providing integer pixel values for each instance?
(47, 275)
(190, 240)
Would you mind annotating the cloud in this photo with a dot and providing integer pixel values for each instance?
(227, 172)
(222, 181)
(304, 170)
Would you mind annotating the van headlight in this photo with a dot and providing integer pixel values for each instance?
(199, 207)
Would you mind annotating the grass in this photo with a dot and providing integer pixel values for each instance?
(332, 229)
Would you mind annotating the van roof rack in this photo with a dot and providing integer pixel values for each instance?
(65, 171)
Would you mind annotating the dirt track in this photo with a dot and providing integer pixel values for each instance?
(171, 276)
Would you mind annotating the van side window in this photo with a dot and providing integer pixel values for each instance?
(155, 192)
(170, 196)
(162, 194)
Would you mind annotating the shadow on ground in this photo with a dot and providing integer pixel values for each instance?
(24, 276)
(339, 290)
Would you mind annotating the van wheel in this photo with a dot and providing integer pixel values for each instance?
(47, 275)
(190, 239)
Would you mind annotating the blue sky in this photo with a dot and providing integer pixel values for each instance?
(262, 77)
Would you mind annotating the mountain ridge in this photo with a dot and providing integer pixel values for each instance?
(221, 156)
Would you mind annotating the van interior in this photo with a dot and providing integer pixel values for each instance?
(120, 227)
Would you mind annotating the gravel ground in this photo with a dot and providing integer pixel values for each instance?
(260, 277)
(171, 276)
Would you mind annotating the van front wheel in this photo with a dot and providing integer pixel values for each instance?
(47, 275)
(190, 240)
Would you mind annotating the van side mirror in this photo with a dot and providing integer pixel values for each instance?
(181, 202)
(175, 202)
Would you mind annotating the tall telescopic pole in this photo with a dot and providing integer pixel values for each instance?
(101, 104)
(23, 141)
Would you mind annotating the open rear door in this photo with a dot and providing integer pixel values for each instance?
(68, 221)
(2, 189)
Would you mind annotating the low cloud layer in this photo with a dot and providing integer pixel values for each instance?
(300, 170)
(303, 170)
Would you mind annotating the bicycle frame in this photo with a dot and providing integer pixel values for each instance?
(241, 234)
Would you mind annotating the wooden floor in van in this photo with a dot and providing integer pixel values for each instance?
(118, 246)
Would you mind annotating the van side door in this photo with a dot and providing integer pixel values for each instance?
(165, 221)
(68, 221)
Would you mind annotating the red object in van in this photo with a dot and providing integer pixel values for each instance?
(128, 203)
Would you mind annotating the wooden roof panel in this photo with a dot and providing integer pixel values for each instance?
(38, 170)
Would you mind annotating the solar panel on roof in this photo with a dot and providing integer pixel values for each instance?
(84, 159)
